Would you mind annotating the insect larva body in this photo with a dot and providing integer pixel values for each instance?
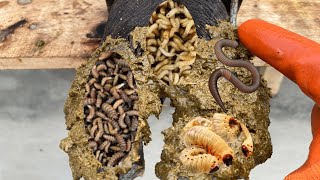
(127, 121)
(124, 96)
(121, 110)
(93, 130)
(115, 93)
(121, 121)
(134, 124)
(93, 145)
(94, 72)
(207, 139)
(115, 124)
(101, 67)
(198, 121)
(121, 62)
(128, 145)
(117, 103)
(130, 80)
(104, 144)
(111, 129)
(116, 157)
(87, 87)
(225, 126)
(247, 145)
(107, 108)
(115, 148)
(102, 115)
(111, 64)
(98, 102)
(89, 101)
(197, 160)
(132, 113)
(92, 111)
(109, 138)
(121, 142)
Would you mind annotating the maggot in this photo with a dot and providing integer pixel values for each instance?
(116, 157)
(107, 108)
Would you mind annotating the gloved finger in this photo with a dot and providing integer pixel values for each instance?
(293, 55)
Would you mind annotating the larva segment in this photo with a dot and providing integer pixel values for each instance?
(171, 42)
(198, 160)
(225, 126)
(198, 121)
(209, 140)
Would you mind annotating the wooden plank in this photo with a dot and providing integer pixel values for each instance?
(40, 63)
(55, 29)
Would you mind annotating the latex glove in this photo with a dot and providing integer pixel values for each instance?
(298, 58)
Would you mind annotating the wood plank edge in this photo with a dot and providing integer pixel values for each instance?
(20, 63)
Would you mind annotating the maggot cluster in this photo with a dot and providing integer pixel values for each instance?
(171, 42)
(206, 142)
(111, 109)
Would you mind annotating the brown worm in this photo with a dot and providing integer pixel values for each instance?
(228, 75)
(116, 157)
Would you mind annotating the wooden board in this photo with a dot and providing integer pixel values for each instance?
(59, 39)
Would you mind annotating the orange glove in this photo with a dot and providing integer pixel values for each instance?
(298, 58)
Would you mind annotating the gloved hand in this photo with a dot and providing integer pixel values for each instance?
(298, 58)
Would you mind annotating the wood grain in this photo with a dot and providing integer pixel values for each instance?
(60, 32)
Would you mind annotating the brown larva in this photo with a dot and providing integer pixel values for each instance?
(94, 72)
(132, 113)
(127, 121)
(121, 110)
(116, 157)
(102, 115)
(124, 96)
(111, 129)
(130, 80)
(111, 64)
(115, 148)
(115, 93)
(93, 130)
(87, 87)
(101, 67)
(225, 126)
(98, 102)
(100, 129)
(207, 139)
(93, 145)
(115, 125)
(92, 111)
(128, 145)
(117, 103)
(121, 121)
(109, 138)
(98, 86)
(134, 124)
(121, 142)
(197, 160)
(104, 144)
(89, 101)
(107, 108)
